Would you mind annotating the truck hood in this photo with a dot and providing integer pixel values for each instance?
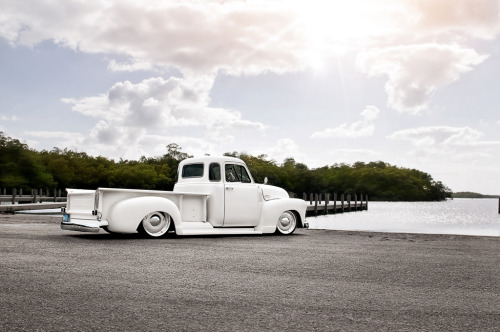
(272, 192)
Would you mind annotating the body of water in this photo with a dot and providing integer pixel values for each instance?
(458, 216)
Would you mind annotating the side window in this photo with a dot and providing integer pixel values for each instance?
(237, 173)
(192, 171)
(214, 172)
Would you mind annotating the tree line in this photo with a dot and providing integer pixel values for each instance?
(23, 167)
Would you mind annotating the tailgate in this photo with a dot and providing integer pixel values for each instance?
(80, 204)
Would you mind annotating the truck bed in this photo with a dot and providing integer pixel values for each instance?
(95, 204)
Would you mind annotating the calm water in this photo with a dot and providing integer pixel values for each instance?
(458, 216)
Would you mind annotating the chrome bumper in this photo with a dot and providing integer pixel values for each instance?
(82, 225)
(79, 228)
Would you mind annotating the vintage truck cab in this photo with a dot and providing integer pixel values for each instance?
(212, 196)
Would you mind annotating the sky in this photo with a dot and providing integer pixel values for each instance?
(411, 83)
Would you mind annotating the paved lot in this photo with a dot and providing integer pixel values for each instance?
(314, 280)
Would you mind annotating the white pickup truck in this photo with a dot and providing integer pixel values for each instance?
(212, 196)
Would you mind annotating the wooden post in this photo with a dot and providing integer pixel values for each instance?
(361, 203)
(316, 204)
(59, 193)
(14, 192)
(20, 192)
(366, 207)
(355, 202)
(342, 199)
(334, 203)
(55, 195)
(311, 199)
(327, 200)
(34, 193)
(304, 196)
(349, 202)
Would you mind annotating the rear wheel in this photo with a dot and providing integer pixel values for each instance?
(287, 223)
(155, 224)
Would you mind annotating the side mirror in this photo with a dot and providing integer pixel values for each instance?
(265, 180)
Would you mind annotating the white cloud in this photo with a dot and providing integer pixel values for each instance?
(370, 113)
(363, 128)
(286, 148)
(195, 36)
(239, 37)
(64, 139)
(447, 143)
(130, 65)
(438, 135)
(353, 155)
(479, 19)
(8, 117)
(415, 71)
(130, 113)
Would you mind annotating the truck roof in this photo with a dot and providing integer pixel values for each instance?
(215, 159)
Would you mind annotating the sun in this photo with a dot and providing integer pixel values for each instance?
(333, 27)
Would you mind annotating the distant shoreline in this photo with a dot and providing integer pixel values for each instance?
(469, 194)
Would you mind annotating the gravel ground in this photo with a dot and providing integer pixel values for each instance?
(314, 280)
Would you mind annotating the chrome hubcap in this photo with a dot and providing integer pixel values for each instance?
(155, 220)
(287, 223)
(156, 223)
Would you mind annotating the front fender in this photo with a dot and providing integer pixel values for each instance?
(271, 210)
(126, 215)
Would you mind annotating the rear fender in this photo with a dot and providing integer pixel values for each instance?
(126, 215)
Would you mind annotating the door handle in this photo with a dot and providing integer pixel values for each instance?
(229, 188)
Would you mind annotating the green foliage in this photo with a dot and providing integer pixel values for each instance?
(21, 167)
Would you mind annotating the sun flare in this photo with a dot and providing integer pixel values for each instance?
(335, 27)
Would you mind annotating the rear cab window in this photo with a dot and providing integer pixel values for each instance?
(192, 171)
(214, 172)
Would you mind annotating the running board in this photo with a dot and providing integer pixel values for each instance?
(201, 228)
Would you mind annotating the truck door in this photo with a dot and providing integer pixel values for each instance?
(241, 198)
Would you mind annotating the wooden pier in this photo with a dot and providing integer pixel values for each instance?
(320, 204)
(12, 208)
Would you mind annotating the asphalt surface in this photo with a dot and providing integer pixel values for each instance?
(313, 280)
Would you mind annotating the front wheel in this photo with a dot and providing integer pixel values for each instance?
(105, 228)
(155, 224)
(287, 223)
